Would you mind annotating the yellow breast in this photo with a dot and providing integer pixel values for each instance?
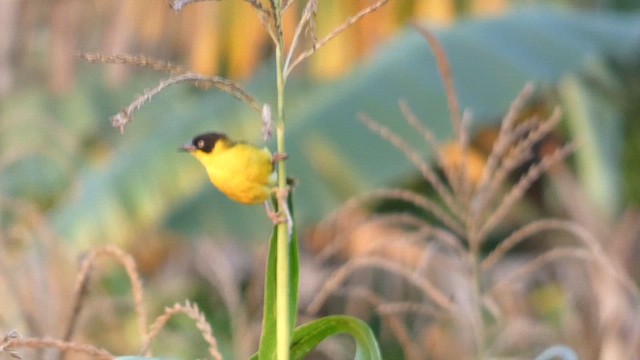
(241, 171)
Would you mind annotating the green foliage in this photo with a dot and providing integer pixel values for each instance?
(308, 336)
(631, 190)
(596, 124)
(268, 336)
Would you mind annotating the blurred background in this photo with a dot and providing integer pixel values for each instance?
(69, 182)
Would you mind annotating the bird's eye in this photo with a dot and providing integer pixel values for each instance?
(200, 144)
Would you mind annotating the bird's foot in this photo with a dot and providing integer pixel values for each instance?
(276, 217)
(279, 157)
(283, 216)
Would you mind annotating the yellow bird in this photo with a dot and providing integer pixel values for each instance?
(243, 172)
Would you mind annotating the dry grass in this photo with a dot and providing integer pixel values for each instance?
(308, 23)
(192, 311)
(124, 117)
(177, 76)
(127, 262)
(468, 293)
(14, 344)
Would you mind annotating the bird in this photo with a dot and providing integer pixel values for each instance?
(242, 171)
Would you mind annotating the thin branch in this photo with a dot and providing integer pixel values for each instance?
(418, 200)
(444, 68)
(528, 231)
(435, 146)
(503, 141)
(461, 184)
(221, 271)
(519, 152)
(266, 17)
(80, 293)
(63, 346)
(416, 232)
(427, 134)
(579, 233)
(135, 60)
(306, 22)
(337, 31)
(519, 190)
(492, 176)
(425, 169)
(534, 265)
(422, 229)
(129, 265)
(124, 117)
(5, 345)
(286, 4)
(428, 289)
(192, 311)
(525, 138)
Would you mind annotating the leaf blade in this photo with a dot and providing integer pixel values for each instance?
(308, 336)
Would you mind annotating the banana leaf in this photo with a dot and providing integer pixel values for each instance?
(145, 182)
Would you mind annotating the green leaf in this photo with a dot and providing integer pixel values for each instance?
(268, 337)
(596, 125)
(308, 336)
(294, 268)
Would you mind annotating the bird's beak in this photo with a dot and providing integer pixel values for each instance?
(187, 147)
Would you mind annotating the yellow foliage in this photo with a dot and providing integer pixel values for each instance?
(438, 11)
(197, 31)
(333, 59)
(244, 39)
(203, 36)
(151, 20)
(377, 26)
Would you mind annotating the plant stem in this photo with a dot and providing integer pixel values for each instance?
(478, 318)
(283, 331)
